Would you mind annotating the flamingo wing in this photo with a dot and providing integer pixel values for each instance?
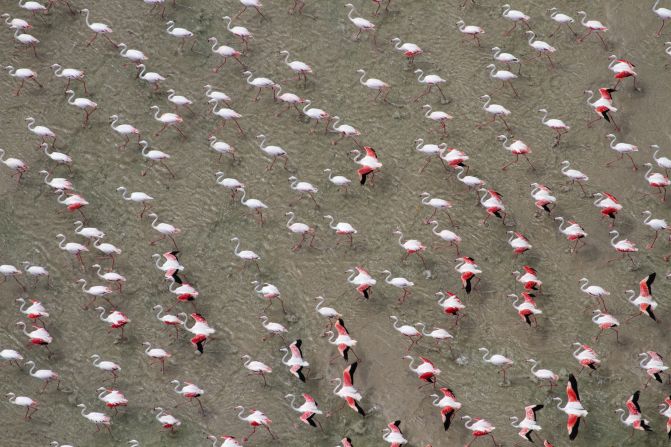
(296, 348)
(370, 151)
(530, 411)
(340, 327)
(611, 197)
(446, 415)
(448, 393)
(425, 360)
(572, 390)
(395, 426)
(632, 403)
(530, 270)
(572, 425)
(348, 374)
(526, 434)
(606, 93)
(171, 255)
(645, 285)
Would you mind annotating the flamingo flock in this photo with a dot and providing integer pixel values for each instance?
(159, 304)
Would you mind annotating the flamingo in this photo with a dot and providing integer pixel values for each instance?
(58, 183)
(229, 183)
(451, 305)
(253, 204)
(360, 23)
(623, 246)
(71, 74)
(113, 398)
(634, 420)
(14, 164)
(430, 150)
(36, 271)
(343, 340)
(72, 247)
(303, 188)
(326, 312)
(180, 33)
(23, 74)
(108, 250)
(654, 366)
(479, 427)
(345, 390)
(519, 242)
(116, 320)
(275, 152)
(665, 410)
(514, 16)
(573, 408)
(407, 331)
(11, 356)
(179, 100)
(543, 197)
(85, 104)
(495, 110)
(504, 76)
(663, 13)
(165, 229)
(171, 266)
(436, 204)
(74, 202)
(159, 354)
(623, 149)
(296, 363)
(493, 205)
(260, 83)
(269, 292)
(468, 270)
(226, 115)
(527, 310)
(215, 95)
(609, 205)
(168, 120)
(338, 180)
(586, 357)
(502, 362)
(10, 270)
(255, 419)
(662, 162)
(24, 401)
(656, 225)
(506, 58)
(448, 405)
(190, 392)
(185, 292)
(541, 48)
(594, 291)
(257, 368)
(135, 56)
(201, 331)
(556, 125)
(300, 68)
(26, 39)
(399, 282)
(16, 23)
(308, 409)
(470, 30)
(446, 235)
(246, 255)
(593, 26)
(98, 29)
(644, 301)
(151, 77)
(529, 279)
(167, 420)
(300, 228)
(38, 336)
(410, 50)
(99, 419)
(239, 31)
(574, 175)
(528, 425)
(363, 280)
(605, 321)
(41, 131)
(155, 156)
(379, 5)
(375, 84)
(290, 99)
(426, 370)
(35, 311)
(657, 180)
(561, 19)
(224, 51)
(411, 246)
(111, 277)
(393, 434)
(124, 129)
(438, 116)
(45, 375)
(316, 114)
(137, 197)
(106, 365)
(369, 164)
(169, 319)
(274, 329)
(543, 374)
(341, 229)
(430, 81)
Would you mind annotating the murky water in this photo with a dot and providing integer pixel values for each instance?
(193, 202)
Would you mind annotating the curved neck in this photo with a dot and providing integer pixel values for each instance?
(124, 49)
(160, 311)
(215, 42)
(71, 99)
(400, 238)
(559, 403)
(57, 70)
(395, 321)
(293, 398)
(336, 121)
(412, 360)
(286, 57)
(331, 225)
(242, 199)
(435, 227)
(631, 296)
(87, 18)
(484, 357)
(486, 104)
(263, 141)
(534, 366)
(307, 104)
(228, 27)
(583, 16)
(319, 303)
(31, 123)
(156, 112)
(237, 247)
(32, 368)
(351, 11)
(575, 354)
(46, 149)
(428, 111)
(83, 281)
(612, 140)
(532, 36)
(101, 276)
(363, 74)
(583, 284)
(102, 312)
(114, 120)
(612, 241)
(153, 223)
(387, 278)
(654, 7)
(291, 218)
(84, 406)
(338, 383)
(419, 76)
(513, 421)
(561, 223)
(590, 94)
(141, 75)
(491, 73)
(647, 174)
(648, 215)
(249, 77)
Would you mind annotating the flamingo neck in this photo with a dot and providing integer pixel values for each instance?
(583, 16)
(583, 284)
(215, 42)
(485, 355)
(363, 74)
(338, 383)
(124, 49)
(428, 111)
(291, 218)
(153, 224)
(351, 11)
(242, 199)
(336, 121)
(237, 247)
(647, 174)
(387, 278)
(612, 241)
(84, 406)
(532, 36)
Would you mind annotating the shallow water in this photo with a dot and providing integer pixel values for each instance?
(202, 209)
